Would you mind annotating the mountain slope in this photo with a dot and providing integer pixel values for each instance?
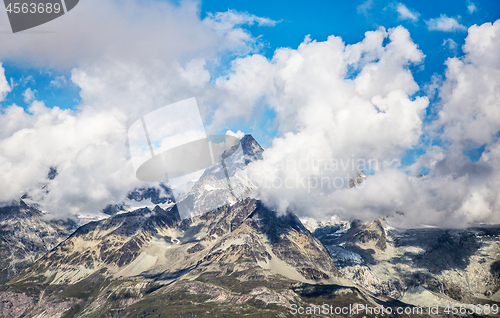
(25, 235)
(419, 266)
(251, 232)
(132, 253)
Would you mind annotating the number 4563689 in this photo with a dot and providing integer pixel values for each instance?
(33, 7)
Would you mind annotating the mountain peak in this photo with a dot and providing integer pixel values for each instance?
(24, 235)
(251, 149)
(158, 209)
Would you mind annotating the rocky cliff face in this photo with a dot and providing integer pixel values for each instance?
(419, 266)
(25, 236)
(251, 148)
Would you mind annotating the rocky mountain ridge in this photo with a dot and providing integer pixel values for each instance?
(418, 266)
(238, 259)
(25, 235)
(244, 244)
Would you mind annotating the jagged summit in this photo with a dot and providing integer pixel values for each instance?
(360, 177)
(25, 235)
(251, 148)
(223, 183)
(18, 209)
(206, 193)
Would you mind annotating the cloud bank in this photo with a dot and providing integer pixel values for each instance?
(337, 104)
(128, 59)
(339, 108)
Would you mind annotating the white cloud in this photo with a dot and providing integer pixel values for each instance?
(58, 81)
(471, 7)
(406, 14)
(331, 100)
(5, 88)
(226, 21)
(131, 30)
(228, 25)
(195, 73)
(470, 109)
(365, 7)
(338, 102)
(26, 80)
(88, 148)
(239, 134)
(127, 60)
(128, 30)
(456, 191)
(469, 118)
(450, 44)
(445, 24)
(29, 95)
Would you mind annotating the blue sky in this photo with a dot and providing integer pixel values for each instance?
(51, 86)
(351, 19)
